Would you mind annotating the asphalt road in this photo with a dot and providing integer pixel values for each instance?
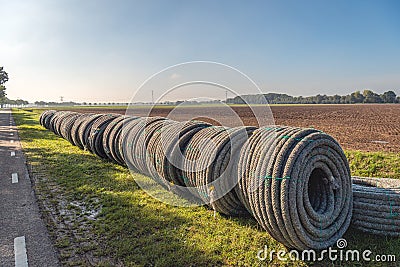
(24, 240)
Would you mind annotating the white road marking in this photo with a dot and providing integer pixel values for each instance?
(21, 258)
(12, 153)
(11, 141)
(14, 178)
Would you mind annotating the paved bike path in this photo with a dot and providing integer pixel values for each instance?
(24, 240)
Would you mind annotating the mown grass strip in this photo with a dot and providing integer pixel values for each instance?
(374, 164)
(136, 230)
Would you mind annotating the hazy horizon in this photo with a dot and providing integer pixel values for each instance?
(102, 51)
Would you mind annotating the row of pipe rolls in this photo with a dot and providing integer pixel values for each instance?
(295, 182)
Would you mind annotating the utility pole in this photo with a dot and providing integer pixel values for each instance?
(226, 96)
(152, 96)
(61, 99)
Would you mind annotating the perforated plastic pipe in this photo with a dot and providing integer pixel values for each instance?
(296, 183)
(376, 206)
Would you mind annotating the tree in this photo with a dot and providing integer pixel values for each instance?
(21, 102)
(345, 99)
(357, 97)
(3, 80)
(336, 99)
(371, 97)
(389, 97)
(3, 76)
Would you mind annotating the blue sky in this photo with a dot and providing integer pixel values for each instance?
(102, 51)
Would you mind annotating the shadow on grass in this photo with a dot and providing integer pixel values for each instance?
(137, 228)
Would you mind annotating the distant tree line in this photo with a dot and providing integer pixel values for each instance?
(71, 103)
(367, 96)
(44, 103)
(18, 102)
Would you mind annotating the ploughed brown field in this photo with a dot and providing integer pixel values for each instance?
(367, 127)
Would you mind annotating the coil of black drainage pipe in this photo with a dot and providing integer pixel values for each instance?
(45, 118)
(141, 140)
(53, 121)
(42, 117)
(61, 117)
(96, 134)
(222, 174)
(117, 136)
(296, 183)
(134, 131)
(75, 138)
(125, 142)
(48, 121)
(160, 145)
(154, 157)
(84, 129)
(376, 206)
(157, 162)
(192, 163)
(108, 138)
(63, 121)
(66, 125)
(56, 121)
(176, 150)
(173, 141)
(211, 163)
(192, 153)
(75, 130)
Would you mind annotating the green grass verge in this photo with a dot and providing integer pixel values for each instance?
(374, 164)
(134, 229)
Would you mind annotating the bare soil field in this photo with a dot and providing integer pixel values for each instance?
(356, 127)
(367, 127)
